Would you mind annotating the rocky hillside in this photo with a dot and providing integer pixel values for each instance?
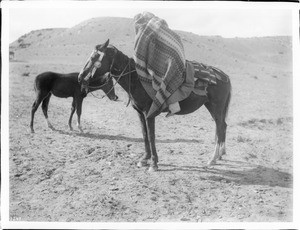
(75, 44)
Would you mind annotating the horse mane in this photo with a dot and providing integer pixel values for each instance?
(119, 51)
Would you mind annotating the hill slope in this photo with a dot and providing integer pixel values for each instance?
(75, 44)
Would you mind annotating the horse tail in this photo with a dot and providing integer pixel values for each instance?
(35, 84)
(226, 108)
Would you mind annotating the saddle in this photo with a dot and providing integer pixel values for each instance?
(204, 75)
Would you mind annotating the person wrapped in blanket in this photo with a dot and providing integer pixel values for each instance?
(160, 63)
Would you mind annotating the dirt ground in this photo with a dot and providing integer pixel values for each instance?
(65, 175)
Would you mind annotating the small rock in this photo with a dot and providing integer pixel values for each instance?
(153, 198)
(185, 219)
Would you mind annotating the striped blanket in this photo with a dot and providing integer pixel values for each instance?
(160, 59)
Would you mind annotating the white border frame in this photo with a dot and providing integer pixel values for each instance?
(6, 223)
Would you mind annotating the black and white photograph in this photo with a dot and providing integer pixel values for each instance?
(132, 112)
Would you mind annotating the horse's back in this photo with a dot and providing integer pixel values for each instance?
(52, 76)
(61, 85)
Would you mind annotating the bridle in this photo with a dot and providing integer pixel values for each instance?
(91, 73)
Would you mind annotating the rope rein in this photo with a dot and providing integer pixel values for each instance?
(117, 81)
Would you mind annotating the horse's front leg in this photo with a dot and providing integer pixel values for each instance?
(150, 124)
(144, 161)
(78, 110)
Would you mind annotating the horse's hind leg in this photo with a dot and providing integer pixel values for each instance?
(72, 113)
(35, 105)
(218, 116)
(45, 105)
(222, 138)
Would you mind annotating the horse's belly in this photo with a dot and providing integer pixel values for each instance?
(61, 93)
(191, 104)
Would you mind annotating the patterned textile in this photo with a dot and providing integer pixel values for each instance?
(207, 73)
(160, 59)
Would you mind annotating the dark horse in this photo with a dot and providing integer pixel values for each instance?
(66, 85)
(122, 69)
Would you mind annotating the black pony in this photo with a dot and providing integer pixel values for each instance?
(66, 85)
(122, 69)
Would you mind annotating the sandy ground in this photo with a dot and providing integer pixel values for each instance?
(65, 175)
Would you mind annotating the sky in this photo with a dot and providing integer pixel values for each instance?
(219, 20)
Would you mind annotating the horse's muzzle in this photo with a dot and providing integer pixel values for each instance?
(80, 78)
(84, 88)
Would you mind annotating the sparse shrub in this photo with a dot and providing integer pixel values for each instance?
(252, 121)
(242, 139)
(251, 155)
(274, 76)
(26, 74)
(279, 121)
(263, 121)
(24, 45)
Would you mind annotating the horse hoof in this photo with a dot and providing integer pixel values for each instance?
(153, 169)
(210, 163)
(141, 164)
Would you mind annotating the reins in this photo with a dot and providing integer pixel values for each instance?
(117, 80)
(129, 80)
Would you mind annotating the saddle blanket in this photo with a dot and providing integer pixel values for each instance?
(198, 77)
(203, 76)
(208, 74)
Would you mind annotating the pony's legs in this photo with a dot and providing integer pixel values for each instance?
(150, 124)
(35, 105)
(45, 104)
(147, 155)
(78, 111)
(72, 113)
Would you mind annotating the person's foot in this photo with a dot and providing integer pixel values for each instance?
(173, 108)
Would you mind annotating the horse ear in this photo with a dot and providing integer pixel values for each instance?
(102, 47)
(106, 44)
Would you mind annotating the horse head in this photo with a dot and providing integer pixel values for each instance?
(97, 64)
(96, 67)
